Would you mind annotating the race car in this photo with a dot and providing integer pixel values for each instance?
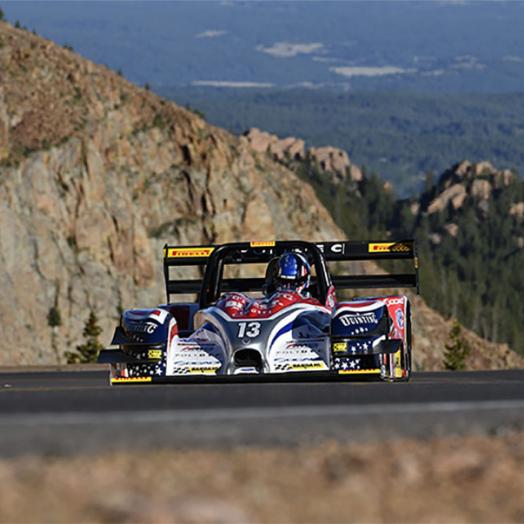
(287, 323)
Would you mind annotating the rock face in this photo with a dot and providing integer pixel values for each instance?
(454, 195)
(467, 180)
(327, 159)
(95, 176)
(280, 149)
(517, 210)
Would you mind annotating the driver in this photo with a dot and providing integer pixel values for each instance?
(289, 272)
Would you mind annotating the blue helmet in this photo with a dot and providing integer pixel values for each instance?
(292, 273)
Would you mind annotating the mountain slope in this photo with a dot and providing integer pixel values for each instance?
(95, 175)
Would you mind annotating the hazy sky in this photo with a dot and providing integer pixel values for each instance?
(454, 45)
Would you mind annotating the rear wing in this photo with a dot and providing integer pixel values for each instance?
(259, 252)
(373, 250)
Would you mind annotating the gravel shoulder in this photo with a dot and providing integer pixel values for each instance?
(452, 479)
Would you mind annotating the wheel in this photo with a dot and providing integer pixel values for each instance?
(397, 367)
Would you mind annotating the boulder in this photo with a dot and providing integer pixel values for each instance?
(481, 189)
(517, 210)
(484, 168)
(463, 168)
(452, 229)
(456, 194)
(330, 159)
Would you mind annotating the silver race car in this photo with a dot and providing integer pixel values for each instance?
(286, 324)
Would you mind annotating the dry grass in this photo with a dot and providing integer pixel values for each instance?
(471, 479)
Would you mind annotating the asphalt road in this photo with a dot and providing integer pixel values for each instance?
(62, 412)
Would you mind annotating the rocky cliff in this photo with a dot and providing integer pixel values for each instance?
(95, 176)
(480, 187)
(331, 161)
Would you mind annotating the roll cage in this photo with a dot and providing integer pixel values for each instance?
(214, 284)
(216, 257)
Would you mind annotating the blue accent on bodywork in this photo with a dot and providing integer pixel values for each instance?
(280, 332)
(294, 324)
(211, 328)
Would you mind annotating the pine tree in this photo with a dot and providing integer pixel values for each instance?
(457, 349)
(88, 351)
(54, 321)
(54, 318)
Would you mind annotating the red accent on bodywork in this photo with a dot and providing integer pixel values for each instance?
(173, 331)
(237, 305)
(356, 305)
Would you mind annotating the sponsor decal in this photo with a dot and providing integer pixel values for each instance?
(197, 361)
(141, 327)
(154, 353)
(395, 301)
(122, 380)
(400, 318)
(262, 244)
(307, 366)
(337, 248)
(188, 252)
(340, 347)
(203, 371)
(389, 247)
(357, 319)
(294, 348)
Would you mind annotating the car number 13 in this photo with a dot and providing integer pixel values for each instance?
(248, 329)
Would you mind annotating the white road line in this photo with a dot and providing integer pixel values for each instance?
(232, 414)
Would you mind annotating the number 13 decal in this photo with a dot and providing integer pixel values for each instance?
(248, 329)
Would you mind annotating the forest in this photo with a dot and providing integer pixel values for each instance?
(475, 276)
(402, 136)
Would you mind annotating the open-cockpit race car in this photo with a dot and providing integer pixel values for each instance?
(286, 324)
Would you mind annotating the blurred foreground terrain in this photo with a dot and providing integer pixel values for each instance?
(451, 479)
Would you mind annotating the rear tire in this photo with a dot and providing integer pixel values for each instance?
(388, 360)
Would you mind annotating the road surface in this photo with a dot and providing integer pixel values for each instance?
(63, 412)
